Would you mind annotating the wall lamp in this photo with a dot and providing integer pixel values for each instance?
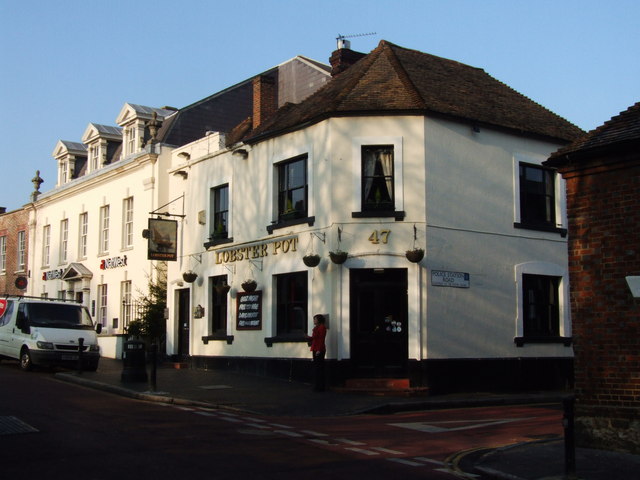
(184, 155)
(181, 173)
(241, 152)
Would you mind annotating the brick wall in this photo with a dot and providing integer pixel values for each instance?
(10, 224)
(603, 205)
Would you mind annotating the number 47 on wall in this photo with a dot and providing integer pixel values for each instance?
(381, 236)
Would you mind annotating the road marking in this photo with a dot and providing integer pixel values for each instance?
(363, 451)
(387, 450)
(406, 462)
(228, 419)
(429, 460)
(433, 427)
(315, 434)
(289, 433)
(207, 414)
(279, 425)
(320, 441)
(12, 425)
(349, 442)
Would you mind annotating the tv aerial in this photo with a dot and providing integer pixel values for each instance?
(344, 43)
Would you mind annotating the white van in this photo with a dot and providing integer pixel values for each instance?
(39, 331)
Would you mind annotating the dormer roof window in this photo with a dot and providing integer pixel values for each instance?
(102, 142)
(72, 160)
(134, 120)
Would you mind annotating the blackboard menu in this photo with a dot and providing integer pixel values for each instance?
(249, 310)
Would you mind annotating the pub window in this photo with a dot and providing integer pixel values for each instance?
(377, 178)
(292, 189)
(291, 305)
(537, 196)
(219, 208)
(218, 309)
(541, 312)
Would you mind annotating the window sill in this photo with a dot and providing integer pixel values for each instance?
(299, 338)
(287, 223)
(541, 228)
(520, 341)
(218, 241)
(396, 214)
(218, 338)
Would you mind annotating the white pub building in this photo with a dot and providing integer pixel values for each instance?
(406, 200)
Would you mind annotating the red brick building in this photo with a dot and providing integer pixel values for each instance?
(602, 171)
(14, 249)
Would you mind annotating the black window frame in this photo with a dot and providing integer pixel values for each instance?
(537, 198)
(541, 310)
(292, 297)
(218, 310)
(219, 216)
(292, 199)
(377, 187)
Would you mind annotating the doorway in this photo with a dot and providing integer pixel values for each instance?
(184, 322)
(378, 313)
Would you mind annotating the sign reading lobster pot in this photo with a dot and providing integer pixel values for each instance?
(163, 239)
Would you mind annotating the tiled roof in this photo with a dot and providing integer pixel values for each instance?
(396, 80)
(74, 146)
(621, 130)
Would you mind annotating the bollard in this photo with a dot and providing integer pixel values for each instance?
(80, 349)
(152, 377)
(569, 438)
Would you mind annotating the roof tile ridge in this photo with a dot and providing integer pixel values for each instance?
(352, 80)
(403, 74)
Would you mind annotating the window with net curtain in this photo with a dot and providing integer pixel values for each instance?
(377, 178)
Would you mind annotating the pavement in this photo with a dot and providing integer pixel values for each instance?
(536, 460)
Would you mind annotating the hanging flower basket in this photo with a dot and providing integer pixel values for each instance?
(223, 288)
(415, 255)
(189, 276)
(338, 256)
(312, 260)
(249, 285)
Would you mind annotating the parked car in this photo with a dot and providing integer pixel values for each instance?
(39, 331)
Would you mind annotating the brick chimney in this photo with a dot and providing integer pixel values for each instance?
(264, 99)
(343, 58)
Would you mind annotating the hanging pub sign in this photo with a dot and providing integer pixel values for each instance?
(249, 310)
(163, 239)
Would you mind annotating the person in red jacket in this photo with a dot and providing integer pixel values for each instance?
(318, 350)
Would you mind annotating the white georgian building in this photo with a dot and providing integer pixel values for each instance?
(86, 234)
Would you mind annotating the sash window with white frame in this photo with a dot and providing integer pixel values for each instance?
(127, 223)
(3, 254)
(46, 245)
(83, 230)
(22, 251)
(104, 230)
(64, 241)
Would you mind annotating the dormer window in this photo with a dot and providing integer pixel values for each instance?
(130, 138)
(94, 153)
(64, 172)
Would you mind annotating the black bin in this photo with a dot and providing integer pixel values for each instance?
(134, 362)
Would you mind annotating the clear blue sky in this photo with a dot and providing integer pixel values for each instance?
(67, 63)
